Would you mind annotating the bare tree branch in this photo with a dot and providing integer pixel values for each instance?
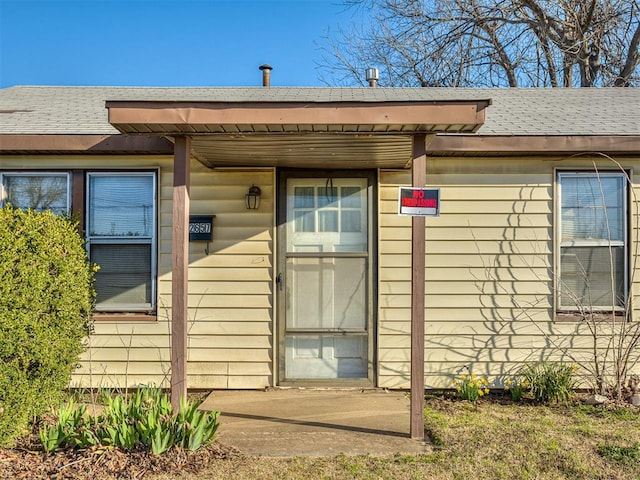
(633, 60)
(488, 43)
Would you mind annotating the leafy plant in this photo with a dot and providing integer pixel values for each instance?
(52, 437)
(104, 394)
(471, 388)
(46, 302)
(143, 420)
(193, 427)
(155, 422)
(70, 429)
(516, 387)
(550, 382)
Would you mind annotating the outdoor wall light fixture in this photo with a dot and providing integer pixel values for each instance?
(252, 198)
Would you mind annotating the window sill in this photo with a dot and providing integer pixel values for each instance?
(574, 317)
(124, 317)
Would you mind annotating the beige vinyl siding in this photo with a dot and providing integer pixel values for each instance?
(489, 275)
(230, 290)
(489, 270)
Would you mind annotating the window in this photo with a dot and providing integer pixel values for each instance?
(37, 191)
(329, 215)
(593, 241)
(121, 238)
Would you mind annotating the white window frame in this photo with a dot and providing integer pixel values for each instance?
(35, 173)
(321, 238)
(593, 243)
(128, 240)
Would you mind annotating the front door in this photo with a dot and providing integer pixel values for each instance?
(324, 277)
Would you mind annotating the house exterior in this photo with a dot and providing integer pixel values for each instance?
(314, 285)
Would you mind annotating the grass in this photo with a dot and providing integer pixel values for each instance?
(492, 440)
(623, 455)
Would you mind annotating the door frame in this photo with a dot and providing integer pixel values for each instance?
(282, 175)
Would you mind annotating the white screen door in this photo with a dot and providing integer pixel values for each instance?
(326, 279)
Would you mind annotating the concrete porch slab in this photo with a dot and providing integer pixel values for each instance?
(315, 422)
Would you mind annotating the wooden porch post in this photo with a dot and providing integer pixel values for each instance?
(419, 179)
(180, 269)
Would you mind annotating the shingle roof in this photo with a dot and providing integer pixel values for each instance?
(581, 111)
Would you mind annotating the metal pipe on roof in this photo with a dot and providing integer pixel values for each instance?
(372, 76)
(266, 74)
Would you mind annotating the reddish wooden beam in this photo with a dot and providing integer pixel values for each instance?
(534, 144)
(126, 116)
(77, 196)
(180, 269)
(99, 144)
(419, 179)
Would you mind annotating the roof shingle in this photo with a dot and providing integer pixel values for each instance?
(39, 110)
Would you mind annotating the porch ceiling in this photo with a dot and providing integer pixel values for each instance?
(304, 150)
(300, 134)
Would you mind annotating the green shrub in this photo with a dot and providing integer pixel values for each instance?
(46, 301)
(143, 421)
(550, 382)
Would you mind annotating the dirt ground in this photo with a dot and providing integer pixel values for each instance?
(26, 462)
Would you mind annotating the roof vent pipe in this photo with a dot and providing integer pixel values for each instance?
(266, 74)
(372, 76)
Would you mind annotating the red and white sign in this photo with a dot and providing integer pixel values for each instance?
(419, 202)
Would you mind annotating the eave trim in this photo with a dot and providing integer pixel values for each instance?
(536, 144)
(164, 117)
(98, 144)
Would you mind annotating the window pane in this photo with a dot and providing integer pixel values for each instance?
(326, 293)
(592, 208)
(305, 221)
(303, 197)
(327, 196)
(124, 277)
(587, 277)
(37, 192)
(328, 221)
(351, 197)
(325, 356)
(351, 221)
(121, 205)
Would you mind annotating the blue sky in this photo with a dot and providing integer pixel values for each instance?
(164, 42)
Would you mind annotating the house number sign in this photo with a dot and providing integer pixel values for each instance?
(201, 228)
(419, 202)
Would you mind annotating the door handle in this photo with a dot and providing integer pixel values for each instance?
(279, 281)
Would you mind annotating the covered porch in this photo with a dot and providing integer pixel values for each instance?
(303, 134)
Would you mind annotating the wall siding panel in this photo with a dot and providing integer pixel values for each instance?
(489, 270)
(489, 275)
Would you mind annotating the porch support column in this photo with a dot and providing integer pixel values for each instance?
(180, 269)
(419, 179)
